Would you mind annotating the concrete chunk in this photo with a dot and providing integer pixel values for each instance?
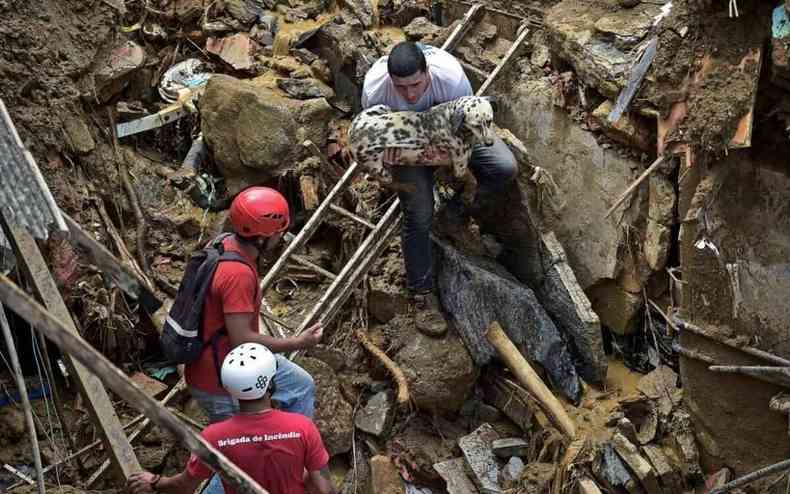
(510, 446)
(454, 474)
(376, 417)
(480, 458)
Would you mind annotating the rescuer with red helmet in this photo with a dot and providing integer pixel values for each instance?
(259, 217)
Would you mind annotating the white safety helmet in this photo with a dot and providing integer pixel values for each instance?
(248, 370)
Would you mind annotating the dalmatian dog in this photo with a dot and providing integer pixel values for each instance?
(453, 128)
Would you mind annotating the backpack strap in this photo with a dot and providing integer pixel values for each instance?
(230, 256)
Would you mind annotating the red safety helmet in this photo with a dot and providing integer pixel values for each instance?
(259, 211)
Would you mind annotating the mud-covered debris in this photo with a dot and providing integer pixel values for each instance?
(511, 472)
(420, 29)
(78, 134)
(666, 472)
(630, 129)
(236, 50)
(377, 415)
(718, 479)
(780, 42)
(612, 472)
(333, 415)
(639, 466)
(115, 70)
(661, 382)
(384, 476)
(682, 439)
(305, 88)
(510, 446)
(480, 458)
(454, 473)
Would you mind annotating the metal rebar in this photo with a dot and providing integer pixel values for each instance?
(20, 383)
(756, 475)
(755, 352)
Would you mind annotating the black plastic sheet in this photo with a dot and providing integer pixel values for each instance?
(477, 291)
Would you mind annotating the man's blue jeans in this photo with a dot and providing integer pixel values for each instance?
(294, 391)
(494, 166)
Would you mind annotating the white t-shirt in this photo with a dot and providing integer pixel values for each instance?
(448, 82)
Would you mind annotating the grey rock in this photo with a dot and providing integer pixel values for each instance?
(376, 417)
(420, 28)
(305, 88)
(480, 458)
(454, 473)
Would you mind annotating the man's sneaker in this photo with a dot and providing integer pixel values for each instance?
(428, 317)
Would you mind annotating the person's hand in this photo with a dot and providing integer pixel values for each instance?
(141, 482)
(312, 335)
(436, 156)
(391, 156)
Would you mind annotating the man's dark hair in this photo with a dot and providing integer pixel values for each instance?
(406, 59)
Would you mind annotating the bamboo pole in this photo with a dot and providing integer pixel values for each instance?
(124, 387)
(634, 185)
(20, 383)
(530, 379)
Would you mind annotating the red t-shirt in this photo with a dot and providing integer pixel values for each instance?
(234, 290)
(274, 448)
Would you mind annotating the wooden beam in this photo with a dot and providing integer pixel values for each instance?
(460, 31)
(31, 261)
(72, 344)
(505, 60)
(138, 433)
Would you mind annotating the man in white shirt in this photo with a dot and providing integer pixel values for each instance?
(415, 77)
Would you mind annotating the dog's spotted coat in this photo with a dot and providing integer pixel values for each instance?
(453, 127)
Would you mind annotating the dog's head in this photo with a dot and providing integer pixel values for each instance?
(476, 115)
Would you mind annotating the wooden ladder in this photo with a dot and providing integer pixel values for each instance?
(379, 233)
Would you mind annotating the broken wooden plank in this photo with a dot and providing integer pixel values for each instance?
(138, 433)
(510, 399)
(516, 362)
(641, 467)
(31, 261)
(81, 352)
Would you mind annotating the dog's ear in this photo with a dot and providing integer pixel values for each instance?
(458, 118)
(493, 101)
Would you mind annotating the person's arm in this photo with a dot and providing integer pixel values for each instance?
(320, 481)
(240, 330)
(147, 483)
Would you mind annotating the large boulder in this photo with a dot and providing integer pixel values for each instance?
(333, 414)
(440, 372)
(255, 133)
(478, 291)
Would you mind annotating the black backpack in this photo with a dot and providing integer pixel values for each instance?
(182, 337)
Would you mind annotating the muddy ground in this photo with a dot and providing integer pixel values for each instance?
(49, 57)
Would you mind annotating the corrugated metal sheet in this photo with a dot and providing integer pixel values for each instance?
(25, 198)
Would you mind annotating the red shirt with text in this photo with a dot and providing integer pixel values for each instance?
(234, 290)
(273, 447)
